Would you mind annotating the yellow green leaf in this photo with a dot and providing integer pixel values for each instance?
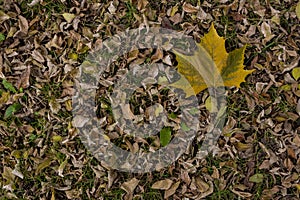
(68, 17)
(56, 138)
(44, 164)
(296, 73)
(210, 105)
(257, 178)
(298, 10)
(210, 66)
(73, 56)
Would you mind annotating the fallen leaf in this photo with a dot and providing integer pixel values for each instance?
(298, 107)
(176, 18)
(38, 56)
(54, 106)
(23, 26)
(33, 3)
(44, 164)
(296, 73)
(7, 85)
(68, 17)
(209, 62)
(129, 187)
(298, 10)
(3, 17)
(202, 186)
(62, 167)
(266, 31)
(165, 136)
(2, 37)
(189, 8)
(23, 81)
(172, 190)
(11, 110)
(210, 104)
(162, 185)
(257, 178)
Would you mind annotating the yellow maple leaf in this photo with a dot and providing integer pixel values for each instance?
(210, 65)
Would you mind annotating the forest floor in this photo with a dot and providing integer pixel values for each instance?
(44, 45)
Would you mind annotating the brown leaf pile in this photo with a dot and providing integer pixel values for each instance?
(42, 44)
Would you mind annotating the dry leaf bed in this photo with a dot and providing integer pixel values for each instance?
(44, 42)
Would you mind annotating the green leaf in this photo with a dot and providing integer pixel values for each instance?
(2, 37)
(11, 110)
(184, 127)
(257, 178)
(296, 73)
(9, 86)
(172, 115)
(165, 136)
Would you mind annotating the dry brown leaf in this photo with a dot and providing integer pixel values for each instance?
(23, 27)
(23, 81)
(129, 187)
(266, 31)
(54, 106)
(33, 3)
(176, 18)
(190, 8)
(3, 17)
(172, 190)
(38, 56)
(162, 185)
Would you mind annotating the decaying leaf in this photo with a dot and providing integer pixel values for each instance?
(3, 16)
(23, 27)
(209, 62)
(129, 187)
(172, 190)
(190, 8)
(23, 82)
(163, 184)
(54, 106)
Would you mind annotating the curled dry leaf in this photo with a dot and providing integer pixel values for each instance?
(190, 8)
(33, 3)
(129, 187)
(3, 17)
(54, 106)
(172, 190)
(23, 27)
(162, 185)
(23, 81)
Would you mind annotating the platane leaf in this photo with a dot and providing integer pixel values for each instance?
(210, 66)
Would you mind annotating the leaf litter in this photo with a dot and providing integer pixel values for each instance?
(258, 155)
